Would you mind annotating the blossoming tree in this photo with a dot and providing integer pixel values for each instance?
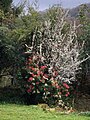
(53, 59)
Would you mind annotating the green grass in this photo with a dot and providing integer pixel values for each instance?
(22, 112)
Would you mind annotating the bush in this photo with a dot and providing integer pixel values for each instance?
(38, 80)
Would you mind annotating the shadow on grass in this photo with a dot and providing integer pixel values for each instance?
(15, 95)
(11, 95)
(86, 114)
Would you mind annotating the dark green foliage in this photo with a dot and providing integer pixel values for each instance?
(5, 5)
(85, 37)
(14, 32)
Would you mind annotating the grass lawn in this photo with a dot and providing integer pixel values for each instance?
(22, 112)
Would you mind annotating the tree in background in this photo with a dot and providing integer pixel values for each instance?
(16, 26)
(84, 37)
(5, 5)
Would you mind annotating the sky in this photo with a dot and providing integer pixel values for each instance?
(44, 4)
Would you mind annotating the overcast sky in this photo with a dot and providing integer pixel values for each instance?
(44, 4)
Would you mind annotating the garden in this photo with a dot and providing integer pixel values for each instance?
(44, 63)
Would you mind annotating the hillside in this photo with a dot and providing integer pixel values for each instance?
(74, 12)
